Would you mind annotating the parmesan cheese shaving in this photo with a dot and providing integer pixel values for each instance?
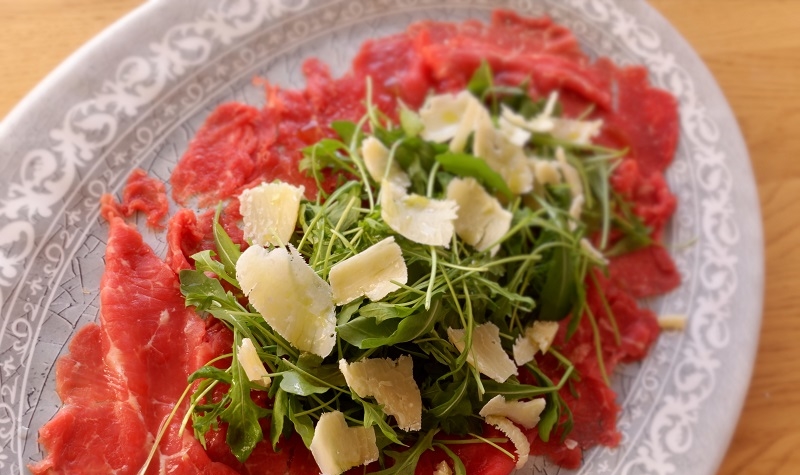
(337, 447)
(521, 444)
(502, 156)
(524, 413)
(417, 218)
(580, 132)
(545, 171)
(290, 296)
(442, 115)
(269, 213)
(391, 383)
(248, 358)
(443, 469)
(372, 272)
(570, 174)
(673, 322)
(486, 354)
(481, 220)
(376, 158)
(536, 337)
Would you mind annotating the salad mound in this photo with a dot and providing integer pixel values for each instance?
(427, 265)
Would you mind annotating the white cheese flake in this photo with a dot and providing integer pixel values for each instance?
(517, 437)
(570, 174)
(417, 218)
(536, 337)
(502, 156)
(673, 321)
(543, 123)
(595, 254)
(376, 158)
(247, 355)
(290, 296)
(481, 220)
(514, 133)
(523, 350)
(269, 213)
(371, 272)
(545, 172)
(576, 211)
(486, 354)
(570, 444)
(391, 383)
(473, 115)
(443, 114)
(524, 413)
(337, 447)
(580, 132)
(443, 469)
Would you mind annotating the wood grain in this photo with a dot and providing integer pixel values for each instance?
(753, 49)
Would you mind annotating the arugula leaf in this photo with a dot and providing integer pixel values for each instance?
(406, 462)
(382, 311)
(302, 422)
(482, 80)
(345, 129)
(210, 372)
(365, 332)
(466, 165)
(200, 290)
(374, 416)
(294, 383)
(548, 418)
(280, 411)
(559, 287)
(228, 251)
(410, 122)
(242, 414)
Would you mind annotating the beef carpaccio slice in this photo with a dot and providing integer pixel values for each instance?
(124, 375)
(115, 399)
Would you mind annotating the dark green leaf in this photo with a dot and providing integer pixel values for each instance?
(280, 410)
(410, 122)
(227, 250)
(348, 310)
(548, 419)
(200, 290)
(345, 128)
(210, 372)
(466, 165)
(242, 416)
(406, 462)
(558, 293)
(295, 383)
(449, 401)
(481, 80)
(303, 424)
(374, 416)
(382, 311)
(367, 333)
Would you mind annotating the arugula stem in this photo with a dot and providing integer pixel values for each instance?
(493, 444)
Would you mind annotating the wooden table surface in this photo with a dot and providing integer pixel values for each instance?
(753, 49)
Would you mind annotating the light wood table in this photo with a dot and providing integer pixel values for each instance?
(753, 49)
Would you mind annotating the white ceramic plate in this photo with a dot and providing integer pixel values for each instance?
(136, 95)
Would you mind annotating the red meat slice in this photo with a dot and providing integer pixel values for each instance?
(644, 118)
(123, 377)
(645, 272)
(143, 193)
(219, 159)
